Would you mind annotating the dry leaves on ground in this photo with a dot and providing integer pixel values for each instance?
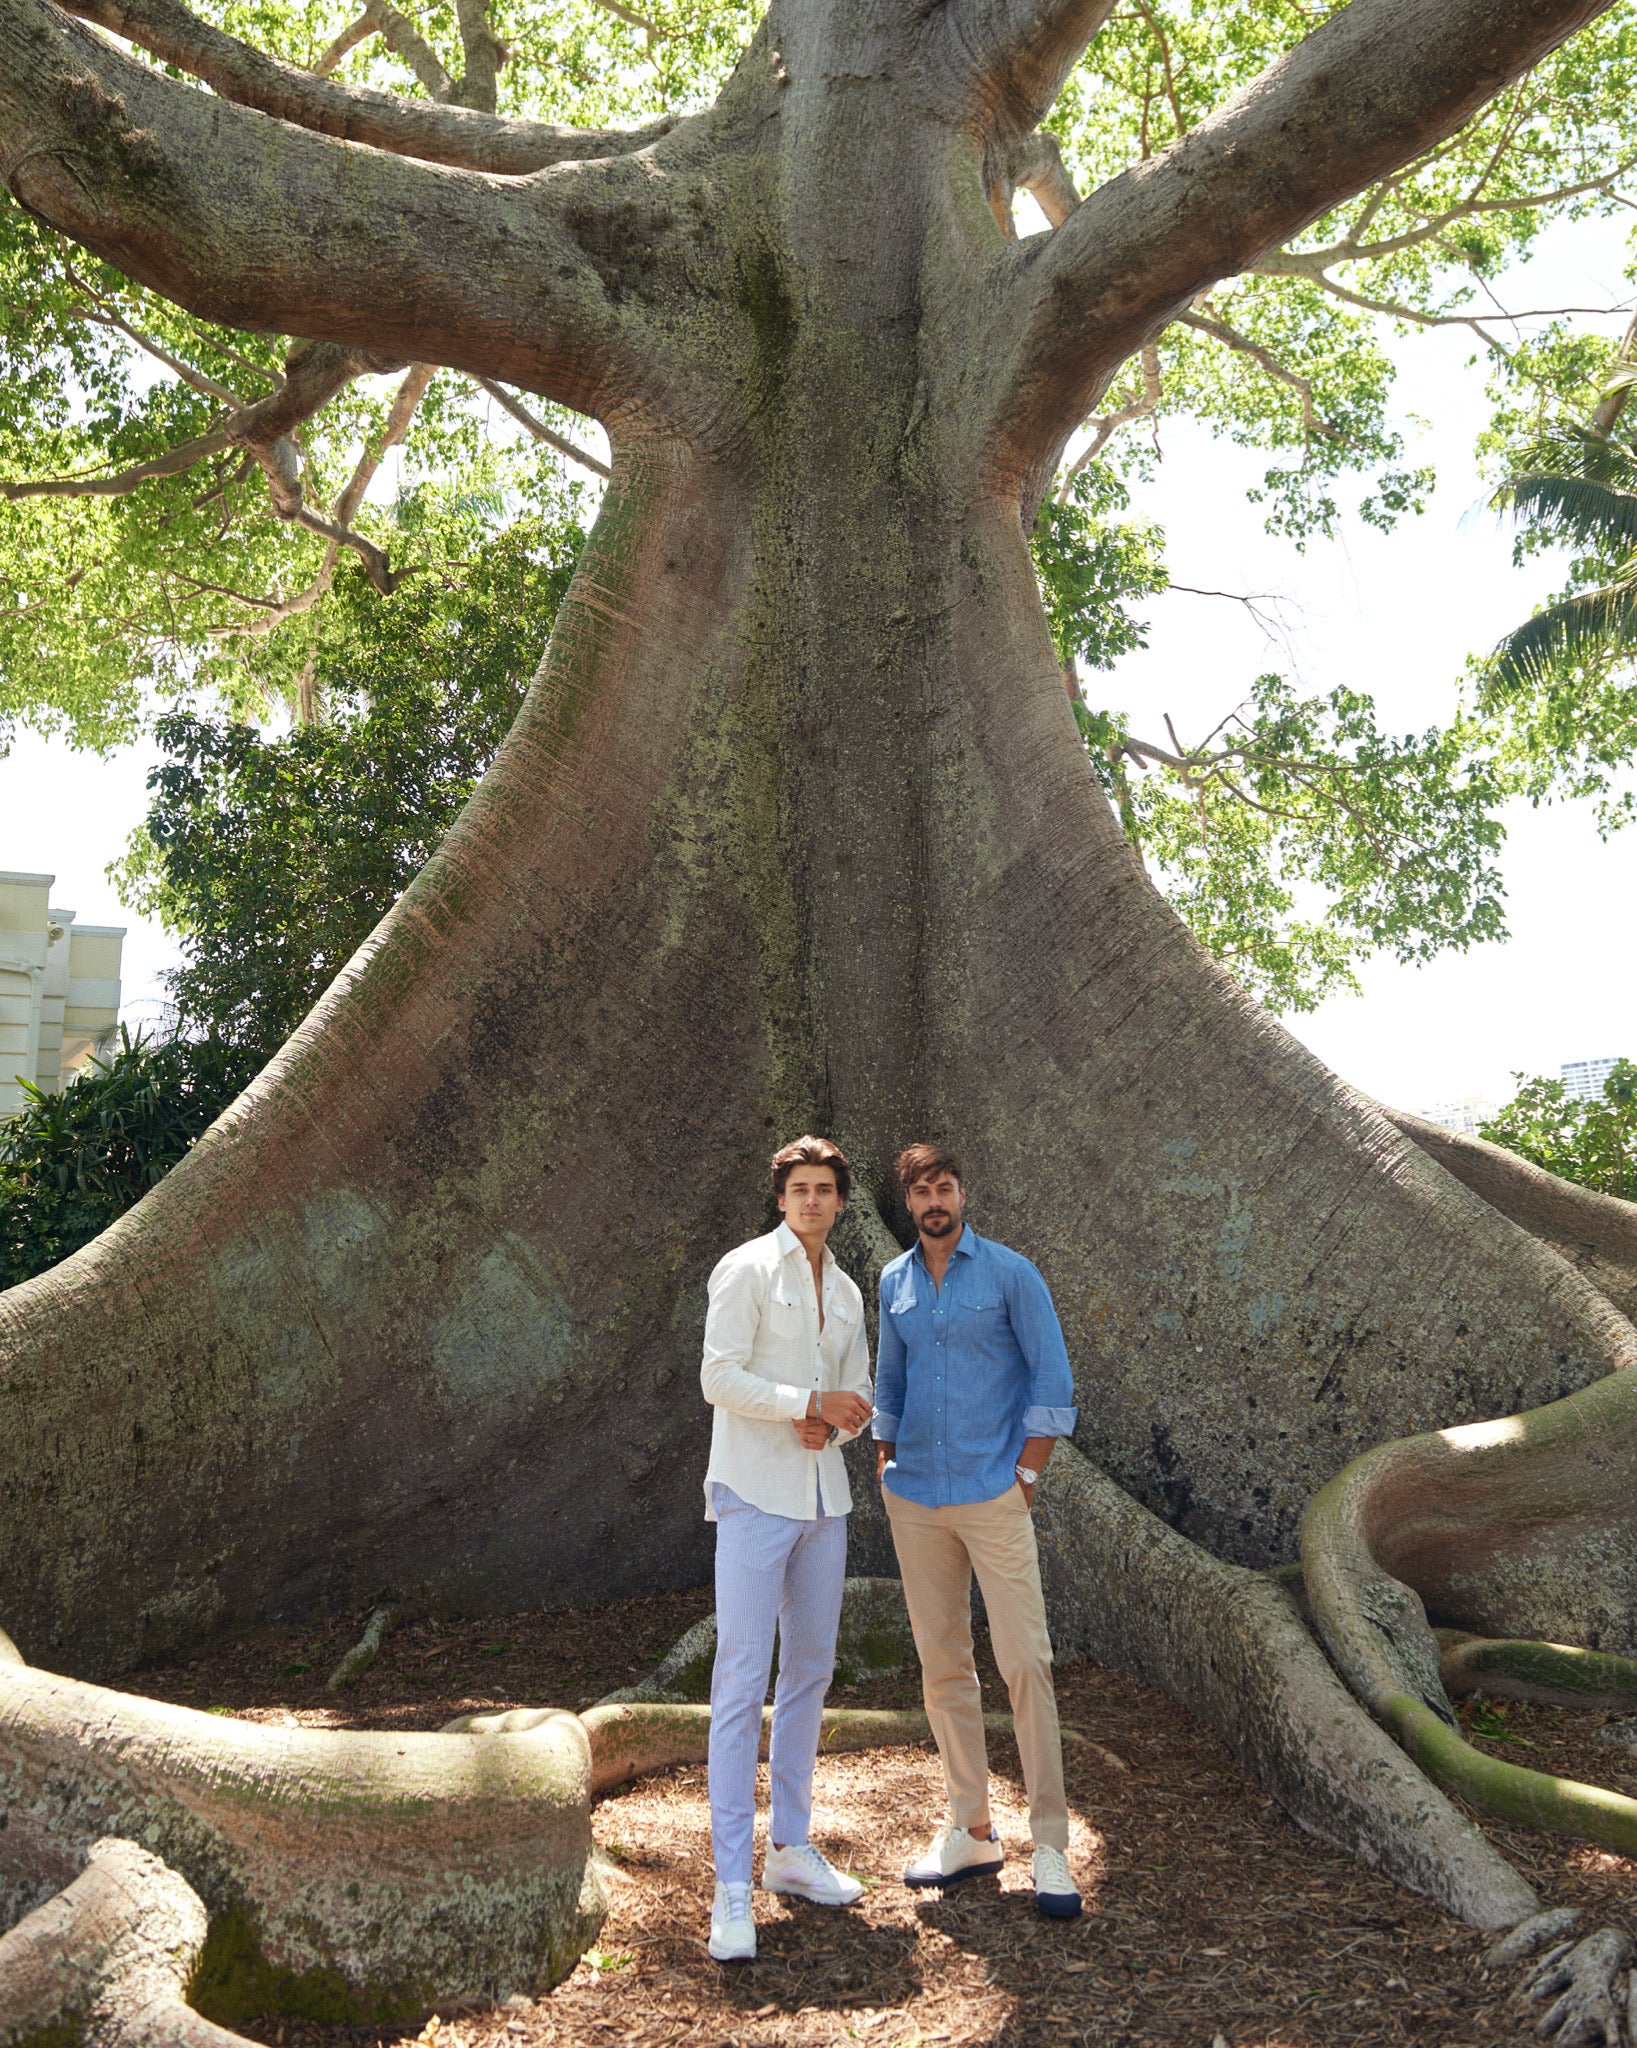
(1208, 1913)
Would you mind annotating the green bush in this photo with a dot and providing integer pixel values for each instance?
(71, 1163)
(1592, 1142)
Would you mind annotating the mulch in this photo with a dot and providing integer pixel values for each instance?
(1210, 1919)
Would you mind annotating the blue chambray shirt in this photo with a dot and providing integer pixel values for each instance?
(966, 1373)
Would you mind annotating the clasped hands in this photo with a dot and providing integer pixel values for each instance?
(827, 1412)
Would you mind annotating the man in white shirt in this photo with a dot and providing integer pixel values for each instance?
(787, 1371)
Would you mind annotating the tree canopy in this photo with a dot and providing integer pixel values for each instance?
(187, 500)
(1591, 1140)
(273, 857)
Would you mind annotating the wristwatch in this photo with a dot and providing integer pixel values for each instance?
(1029, 1478)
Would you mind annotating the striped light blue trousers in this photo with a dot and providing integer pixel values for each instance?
(773, 1574)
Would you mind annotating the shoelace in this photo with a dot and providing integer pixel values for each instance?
(1054, 1868)
(816, 1865)
(738, 1901)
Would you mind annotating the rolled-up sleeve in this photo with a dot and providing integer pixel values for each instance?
(731, 1322)
(889, 1380)
(1051, 1410)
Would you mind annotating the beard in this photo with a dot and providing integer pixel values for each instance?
(937, 1223)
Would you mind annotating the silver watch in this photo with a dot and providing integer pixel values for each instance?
(1029, 1478)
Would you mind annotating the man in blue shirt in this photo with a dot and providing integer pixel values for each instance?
(972, 1389)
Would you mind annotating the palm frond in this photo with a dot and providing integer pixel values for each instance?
(1581, 509)
(1575, 630)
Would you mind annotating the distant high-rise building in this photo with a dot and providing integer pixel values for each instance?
(59, 989)
(1585, 1078)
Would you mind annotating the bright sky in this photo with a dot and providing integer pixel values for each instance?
(1391, 615)
(1395, 616)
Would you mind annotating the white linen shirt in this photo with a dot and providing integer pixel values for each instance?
(764, 1356)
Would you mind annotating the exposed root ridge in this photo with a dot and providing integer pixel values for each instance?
(1549, 1674)
(367, 1874)
(1583, 1983)
(630, 1738)
(1231, 1646)
(1434, 1517)
(1595, 1233)
(107, 1962)
(1532, 1799)
(364, 1652)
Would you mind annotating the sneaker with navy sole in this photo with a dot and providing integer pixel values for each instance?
(952, 1857)
(1054, 1892)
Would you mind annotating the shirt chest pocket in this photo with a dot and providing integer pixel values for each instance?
(978, 1310)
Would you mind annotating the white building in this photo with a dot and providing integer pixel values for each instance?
(59, 989)
(1585, 1078)
(1464, 1116)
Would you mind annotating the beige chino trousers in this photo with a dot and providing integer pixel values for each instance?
(938, 1551)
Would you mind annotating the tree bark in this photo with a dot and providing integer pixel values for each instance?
(794, 830)
(108, 1961)
(353, 1876)
(1596, 1233)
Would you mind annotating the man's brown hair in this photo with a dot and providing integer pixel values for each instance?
(811, 1151)
(927, 1162)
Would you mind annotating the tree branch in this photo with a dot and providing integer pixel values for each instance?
(1394, 309)
(314, 373)
(440, 134)
(270, 227)
(1036, 165)
(485, 57)
(632, 19)
(1141, 406)
(99, 310)
(1311, 262)
(338, 527)
(1374, 86)
(405, 40)
(350, 37)
(1011, 57)
(172, 463)
(538, 428)
(1266, 360)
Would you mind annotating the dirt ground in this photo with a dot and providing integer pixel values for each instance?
(1209, 1918)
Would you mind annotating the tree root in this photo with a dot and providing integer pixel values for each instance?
(1531, 1799)
(873, 1640)
(630, 1738)
(1230, 1645)
(364, 1652)
(1583, 1982)
(1596, 1233)
(107, 1963)
(1481, 1515)
(348, 1875)
(1529, 1937)
(1550, 1674)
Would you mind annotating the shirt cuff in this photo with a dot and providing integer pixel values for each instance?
(885, 1427)
(793, 1401)
(1050, 1421)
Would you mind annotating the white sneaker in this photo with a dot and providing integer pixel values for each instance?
(733, 1931)
(798, 1868)
(953, 1856)
(1054, 1892)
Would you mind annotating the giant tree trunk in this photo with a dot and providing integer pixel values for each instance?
(794, 831)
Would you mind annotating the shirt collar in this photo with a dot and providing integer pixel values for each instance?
(789, 1242)
(966, 1245)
